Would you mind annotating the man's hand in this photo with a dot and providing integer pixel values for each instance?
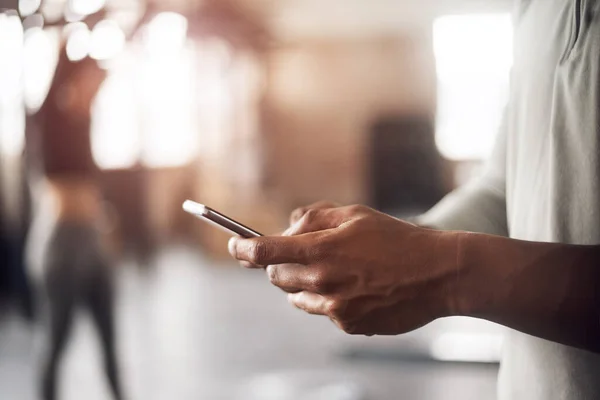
(368, 272)
(373, 274)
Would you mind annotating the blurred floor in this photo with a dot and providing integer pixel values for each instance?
(190, 330)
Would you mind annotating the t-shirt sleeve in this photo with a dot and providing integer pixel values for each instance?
(479, 206)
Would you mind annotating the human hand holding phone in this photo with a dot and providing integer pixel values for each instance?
(368, 272)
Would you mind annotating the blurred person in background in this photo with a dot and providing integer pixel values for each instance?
(534, 266)
(67, 249)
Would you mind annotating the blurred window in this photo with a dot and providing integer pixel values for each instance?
(12, 113)
(474, 57)
(115, 133)
(145, 109)
(40, 55)
(169, 100)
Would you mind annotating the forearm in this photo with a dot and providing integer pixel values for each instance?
(543, 289)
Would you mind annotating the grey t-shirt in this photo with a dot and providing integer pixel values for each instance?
(543, 181)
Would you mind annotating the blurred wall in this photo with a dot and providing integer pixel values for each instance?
(322, 98)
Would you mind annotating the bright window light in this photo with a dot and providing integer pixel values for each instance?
(145, 112)
(12, 114)
(86, 7)
(107, 40)
(474, 57)
(39, 61)
(115, 129)
(28, 7)
(166, 34)
(78, 44)
(52, 11)
(214, 97)
(167, 98)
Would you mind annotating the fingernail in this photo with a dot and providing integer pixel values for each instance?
(232, 246)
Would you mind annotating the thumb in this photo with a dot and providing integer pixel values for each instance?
(272, 250)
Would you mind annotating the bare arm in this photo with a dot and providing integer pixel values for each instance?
(374, 274)
(544, 289)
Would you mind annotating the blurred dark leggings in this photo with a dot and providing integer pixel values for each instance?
(77, 273)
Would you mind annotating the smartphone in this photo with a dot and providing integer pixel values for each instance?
(216, 218)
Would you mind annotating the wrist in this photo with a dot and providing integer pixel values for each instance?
(464, 285)
(459, 300)
(478, 285)
(450, 269)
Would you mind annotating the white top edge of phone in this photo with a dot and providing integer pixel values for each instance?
(192, 207)
(216, 218)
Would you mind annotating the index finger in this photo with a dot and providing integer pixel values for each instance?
(273, 250)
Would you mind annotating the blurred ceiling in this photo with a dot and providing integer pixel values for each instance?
(291, 19)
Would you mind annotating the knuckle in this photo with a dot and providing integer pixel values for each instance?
(311, 215)
(258, 253)
(313, 283)
(357, 209)
(334, 309)
(273, 274)
(317, 282)
(297, 213)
